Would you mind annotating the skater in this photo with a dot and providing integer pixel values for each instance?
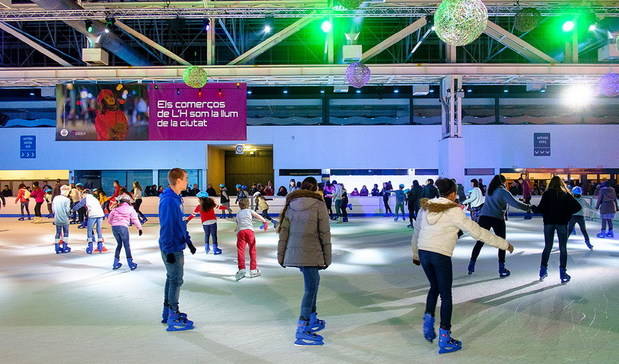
(400, 199)
(173, 238)
(137, 197)
(224, 200)
(39, 197)
(343, 204)
(557, 205)
(48, 201)
(240, 193)
(475, 200)
(579, 217)
(492, 215)
(607, 204)
(23, 196)
(75, 197)
(206, 209)
(413, 196)
(61, 206)
(81, 213)
(305, 243)
(375, 191)
(95, 219)
(120, 218)
(385, 193)
(263, 206)
(433, 242)
(328, 191)
(429, 190)
(337, 198)
(245, 236)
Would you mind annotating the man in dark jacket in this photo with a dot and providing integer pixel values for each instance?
(173, 237)
(413, 196)
(429, 190)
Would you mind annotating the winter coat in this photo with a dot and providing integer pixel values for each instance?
(430, 192)
(262, 204)
(607, 201)
(526, 189)
(173, 235)
(476, 198)
(304, 232)
(557, 207)
(495, 205)
(38, 195)
(22, 195)
(414, 195)
(205, 216)
(338, 191)
(61, 206)
(437, 226)
(461, 194)
(124, 215)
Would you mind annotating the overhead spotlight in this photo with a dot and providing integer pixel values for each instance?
(31, 94)
(568, 26)
(543, 90)
(207, 24)
(433, 28)
(469, 90)
(326, 26)
(119, 87)
(322, 91)
(593, 27)
(358, 91)
(109, 23)
(396, 91)
(505, 90)
(249, 92)
(285, 92)
(268, 25)
(88, 24)
(178, 91)
(577, 96)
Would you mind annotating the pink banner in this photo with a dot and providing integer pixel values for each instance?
(215, 112)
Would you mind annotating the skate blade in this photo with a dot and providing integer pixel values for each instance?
(447, 351)
(301, 342)
(180, 328)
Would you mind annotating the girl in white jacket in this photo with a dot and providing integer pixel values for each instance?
(434, 238)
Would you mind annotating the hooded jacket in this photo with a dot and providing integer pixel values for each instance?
(173, 235)
(495, 205)
(438, 224)
(476, 198)
(93, 206)
(123, 215)
(304, 233)
(607, 200)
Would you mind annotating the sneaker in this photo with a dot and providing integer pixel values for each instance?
(240, 275)
(254, 273)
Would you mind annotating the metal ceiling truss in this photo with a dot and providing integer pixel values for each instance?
(318, 75)
(256, 12)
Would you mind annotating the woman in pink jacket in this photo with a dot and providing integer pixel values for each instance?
(120, 218)
(39, 197)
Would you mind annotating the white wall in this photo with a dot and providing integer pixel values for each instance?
(320, 147)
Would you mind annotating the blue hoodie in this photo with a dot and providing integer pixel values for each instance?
(173, 235)
(495, 205)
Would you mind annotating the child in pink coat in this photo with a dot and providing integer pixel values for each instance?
(120, 218)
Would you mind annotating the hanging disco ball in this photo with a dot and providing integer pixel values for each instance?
(195, 77)
(527, 19)
(460, 22)
(609, 85)
(350, 4)
(358, 74)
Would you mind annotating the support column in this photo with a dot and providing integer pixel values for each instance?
(571, 48)
(210, 43)
(156, 177)
(451, 159)
(451, 147)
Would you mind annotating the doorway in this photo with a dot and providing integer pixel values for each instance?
(226, 165)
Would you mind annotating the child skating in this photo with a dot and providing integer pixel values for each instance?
(61, 207)
(206, 209)
(224, 200)
(400, 198)
(245, 237)
(579, 217)
(94, 218)
(120, 218)
(263, 206)
(434, 239)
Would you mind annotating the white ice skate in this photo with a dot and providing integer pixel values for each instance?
(254, 273)
(240, 274)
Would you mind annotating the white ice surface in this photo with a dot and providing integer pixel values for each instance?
(74, 309)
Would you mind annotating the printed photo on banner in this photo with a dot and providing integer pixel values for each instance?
(102, 112)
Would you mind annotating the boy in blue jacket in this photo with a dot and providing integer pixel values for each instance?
(173, 237)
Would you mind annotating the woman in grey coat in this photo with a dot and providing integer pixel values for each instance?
(305, 243)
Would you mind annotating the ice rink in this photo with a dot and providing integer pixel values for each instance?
(74, 308)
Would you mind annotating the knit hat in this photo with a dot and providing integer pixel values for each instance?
(401, 186)
(222, 185)
(238, 186)
(576, 191)
(123, 198)
(202, 195)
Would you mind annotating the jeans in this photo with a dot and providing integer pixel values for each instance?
(607, 219)
(439, 272)
(210, 231)
(338, 208)
(81, 214)
(174, 280)
(549, 237)
(92, 221)
(37, 209)
(498, 225)
(49, 208)
(329, 203)
(244, 238)
(121, 233)
(580, 220)
(62, 233)
(136, 206)
(311, 279)
(386, 203)
(399, 206)
(24, 206)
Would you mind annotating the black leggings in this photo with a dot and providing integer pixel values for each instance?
(136, 206)
(386, 202)
(498, 225)
(439, 271)
(329, 203)
(37, 209)
(580, 220)
(549, 237)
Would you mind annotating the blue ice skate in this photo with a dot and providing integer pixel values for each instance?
(503, 272)
(601, 234)
(216, 249)
(428, 327)
(89, 248)
(177, 322)
(564, 276)
(315, 324)
(447, 344)
(471, 268)
(166, 313)
(58, 248)
(131, 264)
(117, 264)
(610, 234)
(304, 336)
(66, 248)
(543, 273)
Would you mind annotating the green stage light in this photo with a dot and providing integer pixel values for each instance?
(326, 26)
(568, 26)
(593, 27)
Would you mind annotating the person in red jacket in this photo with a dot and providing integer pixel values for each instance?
(206, 209)
(23, 196)
(39, 197)
(110, 122)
